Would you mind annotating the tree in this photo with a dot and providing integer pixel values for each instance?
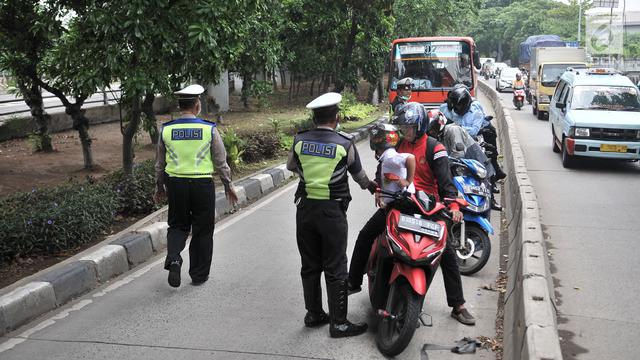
(22, 46)
(156, 45)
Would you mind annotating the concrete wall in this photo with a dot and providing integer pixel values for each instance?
(530, 328)
(19, 127)
(220, 92)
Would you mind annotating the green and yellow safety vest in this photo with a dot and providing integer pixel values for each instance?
(188, 148)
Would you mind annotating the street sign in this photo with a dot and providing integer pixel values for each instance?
(606, 3)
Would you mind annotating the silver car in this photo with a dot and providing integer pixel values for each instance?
(506, 79)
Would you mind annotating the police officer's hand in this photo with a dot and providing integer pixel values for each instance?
(379, 201)
(372, 187)
(231, 195)
(456, 216)
(160, 197)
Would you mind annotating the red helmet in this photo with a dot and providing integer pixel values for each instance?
(437, 121)
(383, 136)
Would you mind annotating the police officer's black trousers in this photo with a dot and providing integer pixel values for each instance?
(191, 209)
(321, 233)
(376, 226)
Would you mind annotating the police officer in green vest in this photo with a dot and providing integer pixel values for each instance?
(322, 157)
(188, 149)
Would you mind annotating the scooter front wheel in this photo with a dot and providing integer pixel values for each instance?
(476, 251)
(397, 326)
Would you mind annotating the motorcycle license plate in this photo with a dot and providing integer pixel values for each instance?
(613, 148)
(420, 226)
(478, 190)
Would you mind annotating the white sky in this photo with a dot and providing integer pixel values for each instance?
(632, 5)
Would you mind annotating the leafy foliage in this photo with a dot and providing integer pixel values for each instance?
(135, 193)
(260, 146)
(502, 29)
(50, 221)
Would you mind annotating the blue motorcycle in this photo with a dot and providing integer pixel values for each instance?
(470, 238)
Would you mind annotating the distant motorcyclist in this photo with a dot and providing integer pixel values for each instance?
(404, 87)
(518, 83)
(462, 109)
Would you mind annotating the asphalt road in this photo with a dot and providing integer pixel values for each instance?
(590, 220)
(252, 308)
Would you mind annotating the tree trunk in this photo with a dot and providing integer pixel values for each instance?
(291, 88)
(232, 83)
(247, 79)
(81, 124)
(283, 77)
(299, 77)
(381, 93)
(313, 84)
(150, 121)
(127, 137)
(346, 56)
(33, 99)
(370, 92)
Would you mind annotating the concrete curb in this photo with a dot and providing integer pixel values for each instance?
(530, 327)
(62, 282)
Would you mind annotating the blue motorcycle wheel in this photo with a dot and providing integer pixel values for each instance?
(471, 263)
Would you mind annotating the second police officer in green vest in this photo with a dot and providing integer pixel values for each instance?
(322, 157)
(188, 149)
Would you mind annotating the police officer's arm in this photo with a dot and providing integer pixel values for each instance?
(292, 162)
(219, 157)
(161, 162)
(354, 166)
(440, 169)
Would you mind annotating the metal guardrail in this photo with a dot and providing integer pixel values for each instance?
(105, 100)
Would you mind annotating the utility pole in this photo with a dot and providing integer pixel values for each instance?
(579, 20)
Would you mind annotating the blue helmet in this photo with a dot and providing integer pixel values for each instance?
(412, 113)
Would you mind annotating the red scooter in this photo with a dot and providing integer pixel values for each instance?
(402, 263)
(518, 97)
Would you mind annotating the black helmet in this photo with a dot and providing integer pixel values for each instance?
(412, 113)
(383, 136)
(459, 99)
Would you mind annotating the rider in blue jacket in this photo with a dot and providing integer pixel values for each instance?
(462, 109)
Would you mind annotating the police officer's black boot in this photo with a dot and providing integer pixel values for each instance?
(340, 326)
(313, 303)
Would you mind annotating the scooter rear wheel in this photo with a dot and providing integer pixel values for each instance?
(472, 263)
(394, 334)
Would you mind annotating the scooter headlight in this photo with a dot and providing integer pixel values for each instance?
(481, 172)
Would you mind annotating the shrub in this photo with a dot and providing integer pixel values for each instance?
(134, 194)
(260, 145)
(352, 110)
(50, 221)
(233, 145)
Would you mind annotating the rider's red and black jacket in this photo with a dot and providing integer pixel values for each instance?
(432, 168)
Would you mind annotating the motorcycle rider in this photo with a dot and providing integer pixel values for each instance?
(383, 138)
(457, 140)
(404, 87)
(434, 177)
(462, 109)
(518, 83)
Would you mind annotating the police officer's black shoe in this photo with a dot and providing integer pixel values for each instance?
(495, 189)
(174, 274)
(313, 302)
(500, 174)
(340, 326)
(354, 289)
(495, 206)
(198, 282)
(313, 319)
